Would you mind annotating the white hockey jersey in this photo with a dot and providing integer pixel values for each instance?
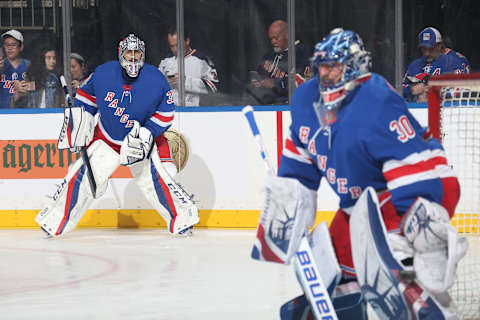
(200, 76)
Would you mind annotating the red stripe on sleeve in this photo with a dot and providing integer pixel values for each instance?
(418, 167)
(86, 95)
(163, 118)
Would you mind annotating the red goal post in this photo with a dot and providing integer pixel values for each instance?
(454, 118)
(435, 95)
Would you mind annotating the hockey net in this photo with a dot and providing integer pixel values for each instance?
(454, 118)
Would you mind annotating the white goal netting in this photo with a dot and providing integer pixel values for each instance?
(459, 123)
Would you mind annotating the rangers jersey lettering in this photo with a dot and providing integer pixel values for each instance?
(375, 141)
(147, 100)
(10, 74)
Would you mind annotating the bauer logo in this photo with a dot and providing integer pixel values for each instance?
(316, 290)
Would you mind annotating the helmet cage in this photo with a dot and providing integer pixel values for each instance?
(345, 47)
(132, 42)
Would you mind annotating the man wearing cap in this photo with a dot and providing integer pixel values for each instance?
(13, 74)
(434, 61)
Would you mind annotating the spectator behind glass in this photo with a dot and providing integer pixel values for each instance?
(2, 60)
(200, 74)
(79, 71)
(14, 67)
(42, 88)
(269, 83)
(436, 59)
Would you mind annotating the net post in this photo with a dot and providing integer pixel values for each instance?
(434, 112)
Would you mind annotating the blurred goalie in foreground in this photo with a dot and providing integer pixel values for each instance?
(391, 237)
(135, 108)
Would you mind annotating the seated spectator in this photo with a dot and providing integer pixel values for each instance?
(2, 60)
(200, 75)
(14, 68)
(269, 83)
(79, 71)
(436, 59)
(41, 87)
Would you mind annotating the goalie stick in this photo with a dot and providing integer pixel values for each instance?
(83, 150)
(248, 112)
(307, 271)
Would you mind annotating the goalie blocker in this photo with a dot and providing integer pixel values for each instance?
(73, 197)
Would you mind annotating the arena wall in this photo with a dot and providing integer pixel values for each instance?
(224, 170)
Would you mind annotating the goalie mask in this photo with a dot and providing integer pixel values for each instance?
(340, 61)
(131, 54)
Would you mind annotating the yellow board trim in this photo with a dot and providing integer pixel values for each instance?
(209, 219)
(235, 219)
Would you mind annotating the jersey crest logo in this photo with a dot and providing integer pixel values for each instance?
(127, 92)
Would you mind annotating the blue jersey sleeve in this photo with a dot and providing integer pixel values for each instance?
(411, 166)
(85, 95)
(163, 116)
(459, 62)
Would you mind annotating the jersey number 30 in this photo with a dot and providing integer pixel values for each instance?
(403, 127)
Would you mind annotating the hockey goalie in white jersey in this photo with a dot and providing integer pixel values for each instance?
(391, 235)
(135, 108)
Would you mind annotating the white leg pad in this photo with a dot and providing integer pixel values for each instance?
(437, 246)
(73, 196)
(166, 196)
(392, 291)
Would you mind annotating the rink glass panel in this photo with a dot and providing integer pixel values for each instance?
(373, 20)
(234, 35)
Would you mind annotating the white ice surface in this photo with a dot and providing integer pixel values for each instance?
(138, 274)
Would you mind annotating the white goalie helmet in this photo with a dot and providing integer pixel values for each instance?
(132, 66)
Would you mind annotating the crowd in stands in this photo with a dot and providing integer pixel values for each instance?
(34, 83)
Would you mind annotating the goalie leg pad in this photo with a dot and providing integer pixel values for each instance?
(436, 244)
(73, 197)
(167, 197)
(383, 280)
(77, 130)
(347, 307)
(289, 210)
